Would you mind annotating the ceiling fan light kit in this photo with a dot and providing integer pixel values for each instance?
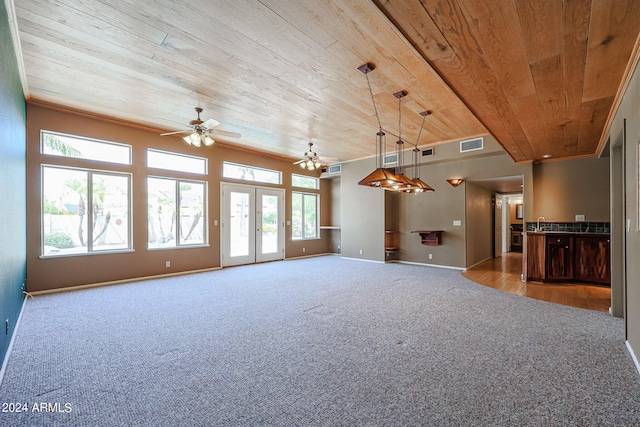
(310, 160)
(200, 131)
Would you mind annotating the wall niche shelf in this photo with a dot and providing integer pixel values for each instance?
(391, 241)
(430, 237)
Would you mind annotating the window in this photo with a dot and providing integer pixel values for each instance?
(304, 215)
(251, 173)
(84, 211)
(57, 144)
(304, 181)
(176, 162)
(176, 213)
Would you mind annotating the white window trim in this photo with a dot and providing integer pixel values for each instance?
(317, 196)
(89, 199)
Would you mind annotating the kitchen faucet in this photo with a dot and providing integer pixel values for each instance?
(538, 224)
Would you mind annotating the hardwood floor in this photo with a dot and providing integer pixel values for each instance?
(504, 274)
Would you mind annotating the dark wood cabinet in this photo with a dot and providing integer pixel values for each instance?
(535, 260)
(568, 257)
(593, 259)
(559, 265)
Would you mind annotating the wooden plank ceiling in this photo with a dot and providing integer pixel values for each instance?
(540, 76)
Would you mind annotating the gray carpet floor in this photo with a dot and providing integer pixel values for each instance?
(316, 342)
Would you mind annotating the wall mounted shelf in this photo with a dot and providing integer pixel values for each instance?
(429, 237)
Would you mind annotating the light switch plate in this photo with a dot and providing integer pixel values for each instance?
(457, 222)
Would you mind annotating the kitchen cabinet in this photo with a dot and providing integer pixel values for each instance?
(559, 258)
(535, 256)
(579, 257)
(593, 259)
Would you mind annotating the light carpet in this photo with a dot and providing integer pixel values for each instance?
(316, 342)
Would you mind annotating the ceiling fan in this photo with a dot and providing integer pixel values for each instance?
(310, 160)
(201, 132)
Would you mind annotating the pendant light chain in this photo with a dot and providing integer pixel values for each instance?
(373, 100)
(416, 150)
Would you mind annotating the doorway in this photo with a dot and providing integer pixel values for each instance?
(252, 224)
(619, 227)
(508, 219)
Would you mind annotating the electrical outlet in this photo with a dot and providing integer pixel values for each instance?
(430, 256)
(579, 218)
(360, 251)
(167, 264)
(457, 223)
(304, 249)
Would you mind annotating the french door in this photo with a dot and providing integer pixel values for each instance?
(252, 224)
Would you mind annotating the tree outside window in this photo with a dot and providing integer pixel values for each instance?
(304, 215)
(176, 213)
(84, 211)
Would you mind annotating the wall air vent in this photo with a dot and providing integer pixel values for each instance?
(471, 145)
(390, 159)
(334, 169)
(428, 152)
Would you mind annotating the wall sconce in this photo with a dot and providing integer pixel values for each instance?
(455, 182)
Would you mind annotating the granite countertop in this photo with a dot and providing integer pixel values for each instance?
(569, 233)
(568, 227)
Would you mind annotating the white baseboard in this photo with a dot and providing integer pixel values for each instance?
(633, 356)
(120, 282)
(363, 260)
(13, 337)
(310, 256)
(450, 267)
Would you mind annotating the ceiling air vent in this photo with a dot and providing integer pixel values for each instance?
(428, 152)
(471, 145)
(334, 169)
(390, 159)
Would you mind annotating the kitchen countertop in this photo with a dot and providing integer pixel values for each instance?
(569, 233)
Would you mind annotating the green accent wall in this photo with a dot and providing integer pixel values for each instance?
(12, 187)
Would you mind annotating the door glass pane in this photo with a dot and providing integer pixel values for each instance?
(269, 224)
(110, 212)
(239, 224)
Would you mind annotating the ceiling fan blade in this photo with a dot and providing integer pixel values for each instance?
(299, 161)
(211, 123)
(224, 133)
(173, 133)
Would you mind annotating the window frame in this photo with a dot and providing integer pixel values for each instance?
(90, 172)
(205, 213)
(43, 132)
(204, 160)
(316, 181)
(317, 224)
(257, 168)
